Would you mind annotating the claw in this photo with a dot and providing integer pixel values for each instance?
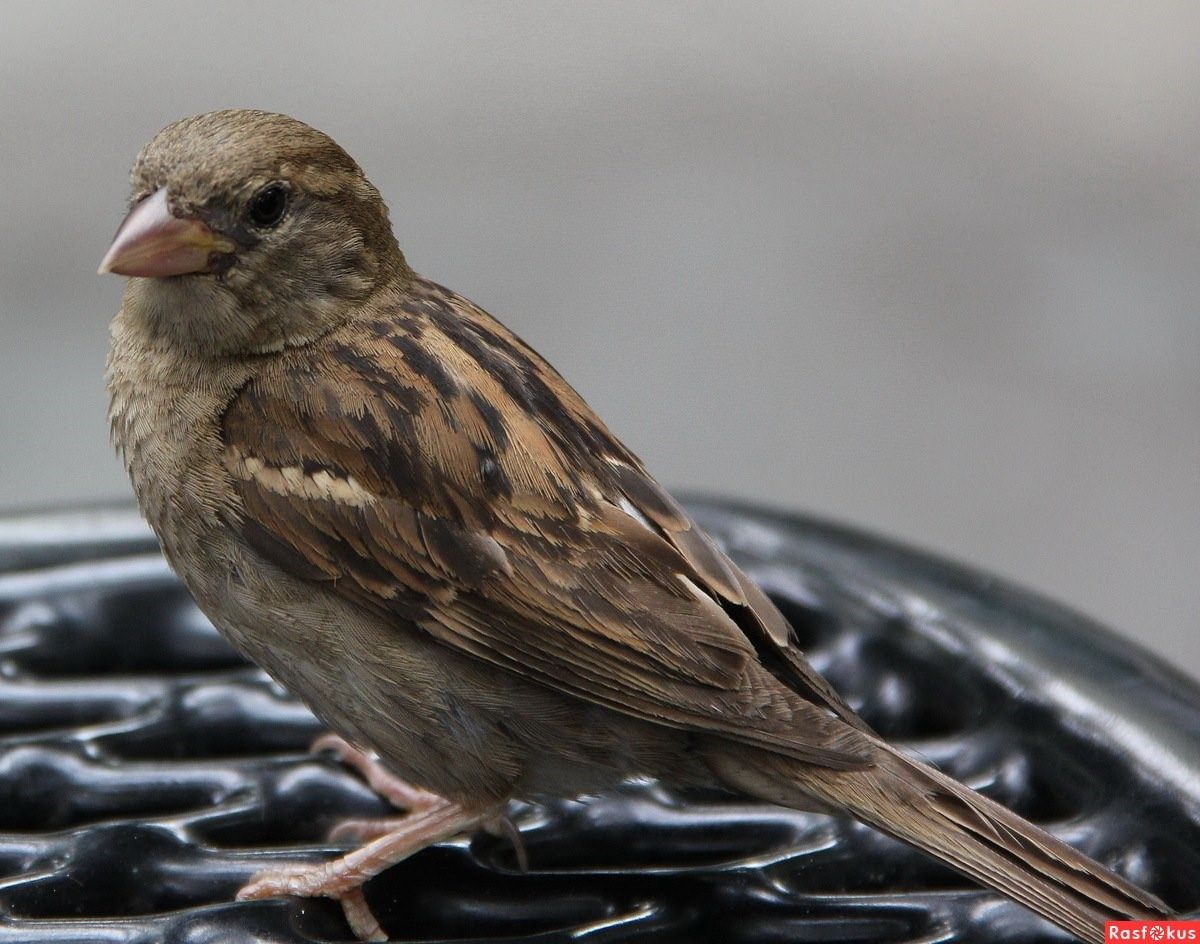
(343, 878)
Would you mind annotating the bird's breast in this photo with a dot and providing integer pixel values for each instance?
(164, 414)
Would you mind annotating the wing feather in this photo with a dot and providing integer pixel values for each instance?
(431, 467)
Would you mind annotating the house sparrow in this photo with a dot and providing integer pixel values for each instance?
(393, 505)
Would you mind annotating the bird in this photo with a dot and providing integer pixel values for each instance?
(403, 514)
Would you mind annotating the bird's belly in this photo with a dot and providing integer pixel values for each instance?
(443, 720)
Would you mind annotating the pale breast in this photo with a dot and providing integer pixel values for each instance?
(164, 410)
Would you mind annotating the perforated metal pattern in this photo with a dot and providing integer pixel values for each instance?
(146, 771)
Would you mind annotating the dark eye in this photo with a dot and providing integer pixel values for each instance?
(268, 205)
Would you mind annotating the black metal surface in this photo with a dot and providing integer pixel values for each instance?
(146, 771)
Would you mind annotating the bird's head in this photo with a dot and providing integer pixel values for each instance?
(249, 231)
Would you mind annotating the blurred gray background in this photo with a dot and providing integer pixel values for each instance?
(927, 268)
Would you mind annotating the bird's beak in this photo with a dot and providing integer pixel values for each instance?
(153, 242)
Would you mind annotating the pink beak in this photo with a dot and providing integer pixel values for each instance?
(153, 242)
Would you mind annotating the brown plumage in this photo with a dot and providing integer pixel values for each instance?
(403, 513)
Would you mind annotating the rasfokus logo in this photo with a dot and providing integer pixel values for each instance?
(1164, 931)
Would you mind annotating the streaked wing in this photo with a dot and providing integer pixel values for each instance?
(431, 466)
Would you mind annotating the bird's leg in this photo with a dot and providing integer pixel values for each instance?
(401, 794)
(396, 791)
(343, 878)
(361, 918)
(428, 819)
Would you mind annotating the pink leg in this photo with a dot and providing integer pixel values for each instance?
(343, 878)
(360, 918)
(365, 830)
(387, 785)
(398, 792)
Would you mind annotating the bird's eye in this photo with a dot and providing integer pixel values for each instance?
(268, 205)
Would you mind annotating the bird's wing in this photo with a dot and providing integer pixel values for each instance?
(431, 466)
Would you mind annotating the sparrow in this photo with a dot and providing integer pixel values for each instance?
(400, 511)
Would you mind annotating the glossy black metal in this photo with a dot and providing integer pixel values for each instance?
(146, 771)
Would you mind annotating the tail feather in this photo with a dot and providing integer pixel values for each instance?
(996, 847)
(1016, 841)
(992, 845)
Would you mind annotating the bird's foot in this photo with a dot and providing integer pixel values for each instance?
(343, 878)
(396, 791)
(366, 830)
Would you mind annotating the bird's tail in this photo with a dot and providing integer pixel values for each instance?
(918, 805)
